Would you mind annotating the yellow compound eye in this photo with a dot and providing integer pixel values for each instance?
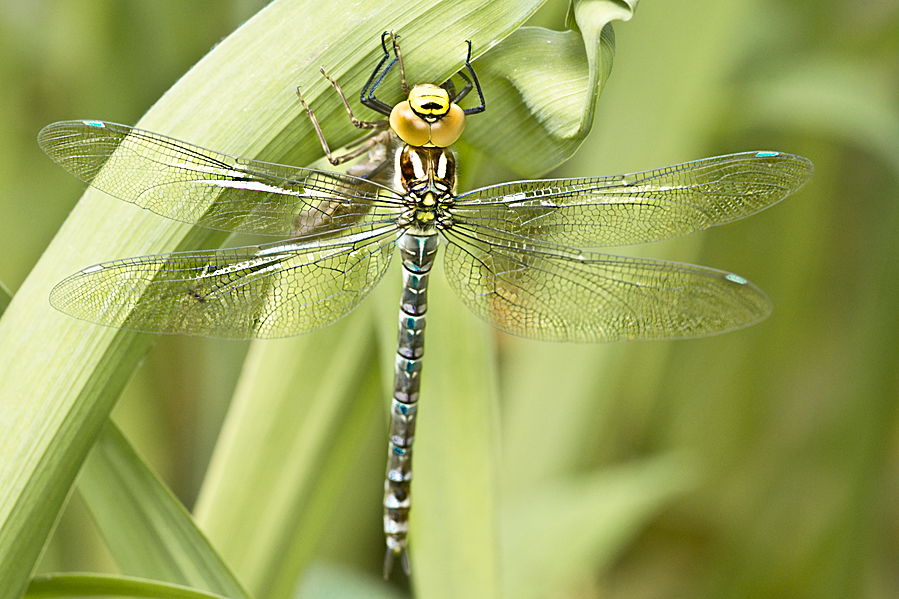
(448, 129)
(411, 128)
(428, 118)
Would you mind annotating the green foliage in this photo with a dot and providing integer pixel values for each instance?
(5, 297)
(99, 585)
(753, 464)
(146, 528)
(58, 422)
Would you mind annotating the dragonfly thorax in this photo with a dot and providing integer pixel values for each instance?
(428, 178)
(428, 118)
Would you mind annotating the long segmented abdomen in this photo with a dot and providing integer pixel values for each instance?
(418, 252)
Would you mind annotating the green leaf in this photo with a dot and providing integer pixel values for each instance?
(324, 582)
(567, 529)
(148, 531)
(827, 95)
(290, 440)
(5, 298)
(453, 524)
(542, 87)
(54, 405)
(94, 585)
(59, 377)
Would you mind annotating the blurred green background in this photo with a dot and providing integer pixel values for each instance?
(791, 424)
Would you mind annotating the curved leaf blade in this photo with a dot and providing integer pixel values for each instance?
(543, 87)
(101, 585)
(148, 531)
(53, 406)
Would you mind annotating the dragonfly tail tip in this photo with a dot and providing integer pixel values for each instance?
(391, 555)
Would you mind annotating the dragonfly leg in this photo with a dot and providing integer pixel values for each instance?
(376, 161)
(474, 78)
(464, 92)
(363, 145)
(359, 124)
(399, 58)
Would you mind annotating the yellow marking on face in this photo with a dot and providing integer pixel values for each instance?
(430, 102)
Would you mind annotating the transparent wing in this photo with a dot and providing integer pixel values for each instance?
(640, 207)
(180, 181)
(275, 290)
(558, 294)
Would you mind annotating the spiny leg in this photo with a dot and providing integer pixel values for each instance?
(474, 78)
(359, 124)
(364, 145)
(399, 58)
(464, 92)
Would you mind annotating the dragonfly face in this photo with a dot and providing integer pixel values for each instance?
(428, 118)
(514, 252)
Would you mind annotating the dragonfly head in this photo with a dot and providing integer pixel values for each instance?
(428, 118)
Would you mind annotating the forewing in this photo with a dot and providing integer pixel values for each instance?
(194, 185)
(640, 207)
(557, 294)
(264, 292)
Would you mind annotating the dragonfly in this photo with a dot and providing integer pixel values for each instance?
(515, 253)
